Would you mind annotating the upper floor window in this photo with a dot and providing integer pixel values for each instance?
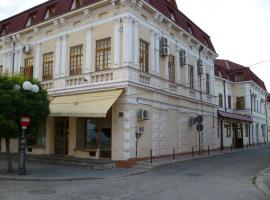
(207, 84)
(240, 103)
(76, 4)
(47, 66)
(191, 76)
(32, 20)
(199, 79)
(27, 70)
(76, 55)
(103, 54)
(220, 100)
(239, 77)
(228, 129)
(144, 56)
(50, 12)
(171, 68)
(1, 70)
(190, 29)
(229, 102)
(4, 30)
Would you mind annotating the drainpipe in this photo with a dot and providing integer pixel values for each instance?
(201, 94)
(251, 113)
(266, 115)
(225, 96)
(13, 55)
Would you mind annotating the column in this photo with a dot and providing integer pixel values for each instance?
(127, 40)
(136, 45)
(157, 57)
(152, 52)
(37, 67)
(177, 65)
(247, 97)
(88, 50)
(9, 61)
(57, 58)
(16, 60)
(20, 60)
(117, 43)
(195, 75)
(204, 78)
(64, 68)
(212, 81)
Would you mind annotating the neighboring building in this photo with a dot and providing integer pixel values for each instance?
(242, 105)
(268, 113)
(114, 68)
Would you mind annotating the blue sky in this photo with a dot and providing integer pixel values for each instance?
(240, 29)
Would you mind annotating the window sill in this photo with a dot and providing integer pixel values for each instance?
(86, 150)
(35, 147)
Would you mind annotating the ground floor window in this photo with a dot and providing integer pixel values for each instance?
(95, 134)
(38, 138)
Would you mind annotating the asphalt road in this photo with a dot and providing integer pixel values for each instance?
(229, 177)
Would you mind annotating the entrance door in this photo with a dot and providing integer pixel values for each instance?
(105, 138)
(61, 136)
(238, 140)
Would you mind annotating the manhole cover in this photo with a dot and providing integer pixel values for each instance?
(42, 191)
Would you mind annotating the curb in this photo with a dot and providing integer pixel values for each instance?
(13, 178)
(260, 184)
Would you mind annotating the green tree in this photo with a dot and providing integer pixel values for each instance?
(14, 102)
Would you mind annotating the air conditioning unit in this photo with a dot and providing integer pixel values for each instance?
(164, 51)
(199, 62)
(164, 41)
(27, 49)
(183, 57)
(142, 115)
(200, 70)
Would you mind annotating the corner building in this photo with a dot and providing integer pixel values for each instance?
(114, 68)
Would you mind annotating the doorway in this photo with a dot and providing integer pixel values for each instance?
(61, 136)
(238, 141)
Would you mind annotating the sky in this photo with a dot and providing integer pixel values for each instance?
(239, 29)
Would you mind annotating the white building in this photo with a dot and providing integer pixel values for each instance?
(242, 105)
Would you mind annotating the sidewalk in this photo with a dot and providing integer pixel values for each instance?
(43, 172)
(262, 181)
(161, 162)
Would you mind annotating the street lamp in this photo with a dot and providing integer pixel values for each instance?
(25, 121)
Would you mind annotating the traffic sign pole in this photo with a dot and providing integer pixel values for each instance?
(25, 121)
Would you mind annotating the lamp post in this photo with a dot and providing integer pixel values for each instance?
(25, 121)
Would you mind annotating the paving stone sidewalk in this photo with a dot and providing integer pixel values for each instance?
(263, 181)
(42, 172)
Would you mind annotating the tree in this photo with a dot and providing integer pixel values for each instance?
(14, 102)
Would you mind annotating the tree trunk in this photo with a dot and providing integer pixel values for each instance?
(9, 159)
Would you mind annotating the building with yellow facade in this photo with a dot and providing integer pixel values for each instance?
(114, 70)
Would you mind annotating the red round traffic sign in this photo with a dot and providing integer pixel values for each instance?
(25, 121)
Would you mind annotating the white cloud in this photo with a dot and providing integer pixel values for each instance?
(239, 29)
(12, 7)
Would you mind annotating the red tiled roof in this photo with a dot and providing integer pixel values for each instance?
(18, 22)
(268, 98)
(234, 116)
(183, 21)
(229, 69)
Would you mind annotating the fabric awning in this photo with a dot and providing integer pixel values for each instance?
(95, 104)
(235, 116)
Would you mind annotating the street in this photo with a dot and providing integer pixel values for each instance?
(227, 177)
